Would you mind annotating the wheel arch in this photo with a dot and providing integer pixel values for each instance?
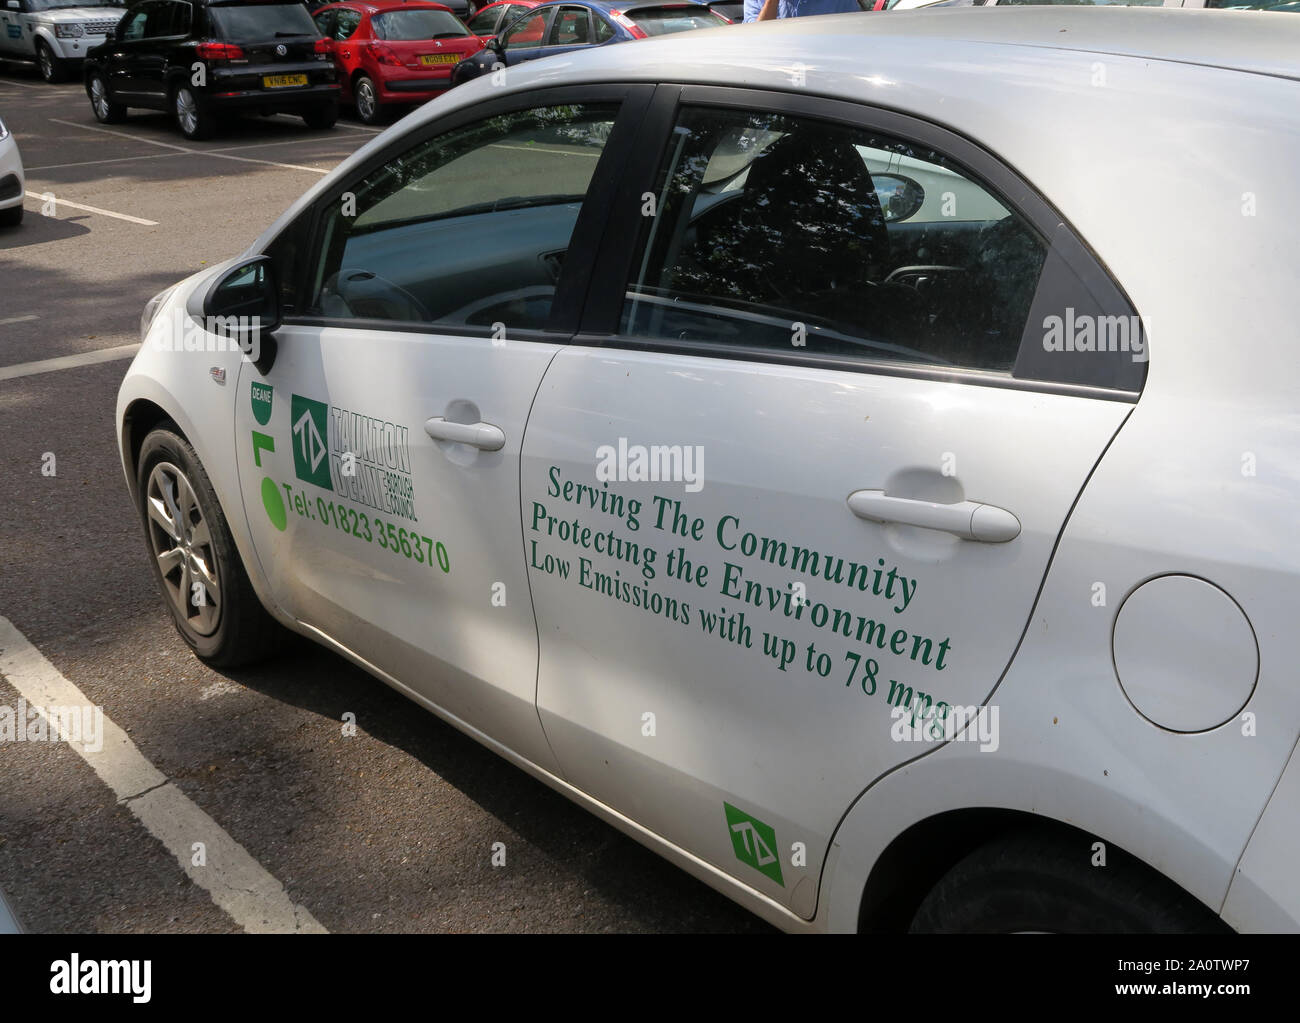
(917, 858)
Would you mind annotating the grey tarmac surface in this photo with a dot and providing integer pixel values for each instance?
(390, 831)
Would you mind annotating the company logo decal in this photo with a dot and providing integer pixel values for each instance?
(754, 843)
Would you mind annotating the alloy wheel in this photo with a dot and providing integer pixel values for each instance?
(181, 541)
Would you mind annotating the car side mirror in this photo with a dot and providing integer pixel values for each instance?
(243, 305)
(900, 197)
(495, 45)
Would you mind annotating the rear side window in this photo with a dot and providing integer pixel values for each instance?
(466, 230)
(253, 23)
(484, 23)
(572, 27)
(815, 238)
(400, 26)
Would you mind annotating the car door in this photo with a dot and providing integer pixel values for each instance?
(379, 453)
(11, 27)
(121, 63)
(786, 501)
(167, 23)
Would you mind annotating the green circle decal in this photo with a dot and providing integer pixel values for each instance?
(274, 503)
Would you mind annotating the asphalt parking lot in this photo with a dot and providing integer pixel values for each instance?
(389, 831)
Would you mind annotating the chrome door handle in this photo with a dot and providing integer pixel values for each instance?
(969, 520)
(483, 436)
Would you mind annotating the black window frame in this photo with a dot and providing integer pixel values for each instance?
(303, 236)
(1067, 254)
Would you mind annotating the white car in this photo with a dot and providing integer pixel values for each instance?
(12, 183)
(54, 33)
(886, 559)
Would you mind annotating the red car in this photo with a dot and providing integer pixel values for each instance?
(490, 20)
(389, 53)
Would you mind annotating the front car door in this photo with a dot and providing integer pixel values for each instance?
(379, 454)
(121, 62)
(526, 37)
(788, 498)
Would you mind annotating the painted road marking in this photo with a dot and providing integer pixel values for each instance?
(92, 163)
(19, 319)
(238, 884)
(51, 197)
(31, 369)
(183, 149)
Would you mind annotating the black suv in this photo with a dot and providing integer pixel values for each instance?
(203, 58)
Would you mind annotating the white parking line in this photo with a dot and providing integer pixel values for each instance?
(115, 159)
(21, 85)
(50, 197)
(183, 149)
(237, 883)
(31, 369)
(18, 319)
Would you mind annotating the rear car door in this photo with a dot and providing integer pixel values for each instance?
(571, 28)
(11, 27)
(379, 454)
(789, 497)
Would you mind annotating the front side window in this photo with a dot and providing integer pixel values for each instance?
(817, 238)
(527, 31)
(134, 23)
(468, 229)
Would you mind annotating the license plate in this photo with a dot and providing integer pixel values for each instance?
(439, 58)
(282, 81)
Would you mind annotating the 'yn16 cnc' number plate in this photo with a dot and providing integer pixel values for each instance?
(281, 81)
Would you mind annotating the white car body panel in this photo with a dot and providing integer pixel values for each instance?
(11, 162)
(1168, 496)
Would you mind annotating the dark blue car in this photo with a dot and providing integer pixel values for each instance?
(566, 25)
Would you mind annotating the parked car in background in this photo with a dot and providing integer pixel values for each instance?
(55, 34)
(493, 19)
(391, 53)
(210, 58)
(12, 184)
(1283, 7)
(564, 25)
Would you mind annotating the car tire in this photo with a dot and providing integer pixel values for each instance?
(194, 122)
(365, 97)
(101, 101)
(231, 627)
(11, 217)
(51, 68)
(1043, 882)
(321, 117)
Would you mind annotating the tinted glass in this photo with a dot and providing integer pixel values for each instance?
(484, 23)
(770, 233)
(411, 25)
(527, 31)
(661, 21)
(258, 23)
(571, 27)
(466, 230)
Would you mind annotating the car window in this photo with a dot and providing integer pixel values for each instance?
(604, 31)
(770, 232)
(251, 23)
(572, 27)
(468, 229)
(485, 22)
(417, 24)
(345, 25)
(133, 24)
(660, 21)
(527, 31)
(324, 23)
